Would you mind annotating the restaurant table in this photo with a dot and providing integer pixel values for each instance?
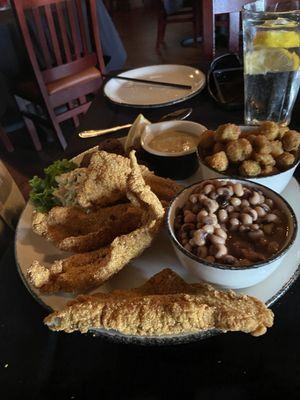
(36, 363)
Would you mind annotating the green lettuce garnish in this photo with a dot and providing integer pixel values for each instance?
(41, 193)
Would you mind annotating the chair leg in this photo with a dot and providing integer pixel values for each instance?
(33, 133)
(161, 29)
(58, 130)
(195, 31)
(22, 104)
(6, 141)
(196, 20)
(161, 26)
(75, 119)
(198, 17)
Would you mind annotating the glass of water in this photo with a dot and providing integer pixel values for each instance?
(271, 36)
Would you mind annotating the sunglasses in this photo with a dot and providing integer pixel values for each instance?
(225, 81)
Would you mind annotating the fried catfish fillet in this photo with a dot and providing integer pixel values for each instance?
(164, 305)
(73, 229)
(84, 271)
(105, 182)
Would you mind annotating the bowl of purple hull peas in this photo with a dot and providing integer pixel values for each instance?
(231, 232)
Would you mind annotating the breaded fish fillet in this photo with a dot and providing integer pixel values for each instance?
(85, 271)
(74, 229)
(105, 182)
(164, 305)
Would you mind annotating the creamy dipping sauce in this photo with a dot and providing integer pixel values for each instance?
(173, 141)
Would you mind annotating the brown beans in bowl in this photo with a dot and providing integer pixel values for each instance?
(231, 224)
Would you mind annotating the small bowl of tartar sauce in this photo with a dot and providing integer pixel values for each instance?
(171, 147)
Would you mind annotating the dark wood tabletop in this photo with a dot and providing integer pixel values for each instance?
(38, 364)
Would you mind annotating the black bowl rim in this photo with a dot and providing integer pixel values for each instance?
(234, 267)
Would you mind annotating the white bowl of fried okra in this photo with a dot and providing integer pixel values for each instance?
(267, 154)
(233, 233)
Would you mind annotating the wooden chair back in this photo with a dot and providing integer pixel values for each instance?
(57, 37)
(211, 8)
(62, 39)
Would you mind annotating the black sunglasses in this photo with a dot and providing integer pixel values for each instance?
(225, 81)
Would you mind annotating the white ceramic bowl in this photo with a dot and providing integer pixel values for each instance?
(230, 276)
(153, 130)
(179, 165)
(276, 182)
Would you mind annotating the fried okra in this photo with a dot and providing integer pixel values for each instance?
(238, 150)
(250, 168)
(263, 150)
(264, 159)
(285, 160)
(218, 147)
(207, 139)
(227, 132)
(218, 161)
(291, 141)
(251, 138)
(282, 131)
(276, 148)
(245, 134)
(269, 129)
(262, 145)
(269, 170)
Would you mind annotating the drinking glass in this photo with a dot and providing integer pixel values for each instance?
(271, 39)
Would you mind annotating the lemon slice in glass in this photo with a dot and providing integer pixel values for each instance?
(279, 23)
(261, 61)
(277, 38)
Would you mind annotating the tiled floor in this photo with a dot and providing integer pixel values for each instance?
(137, 28)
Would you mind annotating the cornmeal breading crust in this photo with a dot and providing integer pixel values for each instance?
(74, 229)
(84, 271)
(164, 305)
(106, 178)
(91, 223)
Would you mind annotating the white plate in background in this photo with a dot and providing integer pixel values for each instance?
(146, 95)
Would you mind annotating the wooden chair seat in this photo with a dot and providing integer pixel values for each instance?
(29, 89)
(84, 76)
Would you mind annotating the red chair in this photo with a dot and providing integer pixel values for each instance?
(65, 53)
(211, 8)
(187, 14)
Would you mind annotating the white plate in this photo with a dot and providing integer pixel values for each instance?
(146, 95)
(160, 255)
